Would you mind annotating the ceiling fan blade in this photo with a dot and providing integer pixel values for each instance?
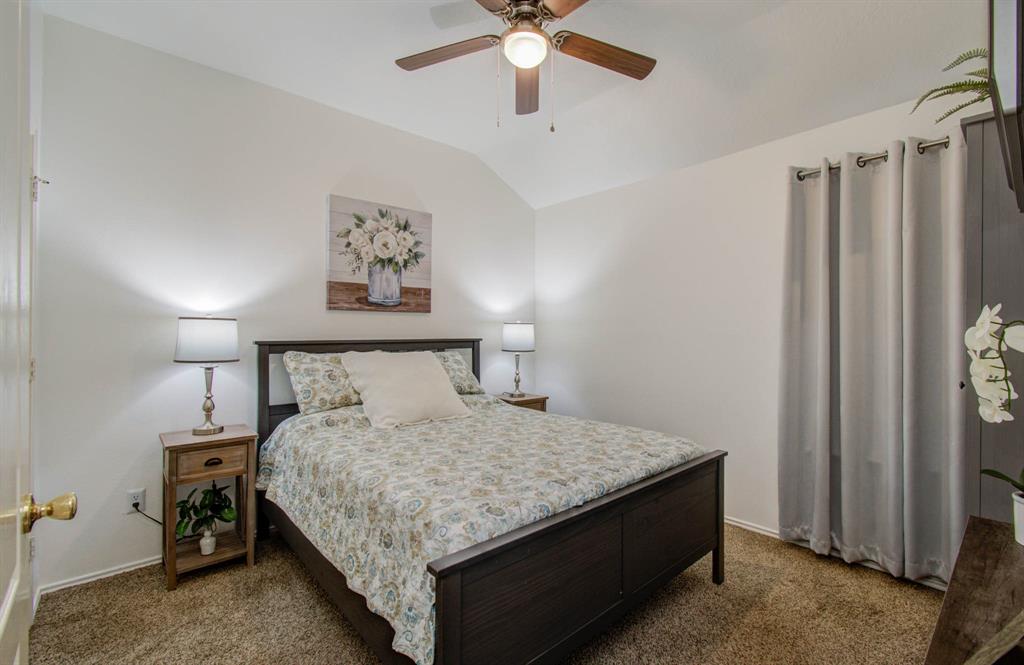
(561, 8)
(443, 53)
(494, 5)
(527, 90)
(604, 55)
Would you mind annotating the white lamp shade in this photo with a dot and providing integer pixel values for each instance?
(206, 340)
(517, 337)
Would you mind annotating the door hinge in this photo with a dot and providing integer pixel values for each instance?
(36, 181)
(31, 370)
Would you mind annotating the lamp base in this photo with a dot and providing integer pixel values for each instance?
(518, 393)
(208, 427)
(204, 430)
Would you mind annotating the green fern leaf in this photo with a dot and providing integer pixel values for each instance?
(979, 73)
(966, 84)
(960, 107)
(974, 53)
(946, 93)
(951, 89)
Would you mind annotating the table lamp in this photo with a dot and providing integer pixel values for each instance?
(207, 341)
(517, 338)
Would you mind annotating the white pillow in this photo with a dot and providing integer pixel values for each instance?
(402, 388)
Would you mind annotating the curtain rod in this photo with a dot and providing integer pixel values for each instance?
(863, 160)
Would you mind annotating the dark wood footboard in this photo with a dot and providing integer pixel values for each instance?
(537, 593)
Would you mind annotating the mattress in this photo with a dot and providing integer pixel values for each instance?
(380, 504)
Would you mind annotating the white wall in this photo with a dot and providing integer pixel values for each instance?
(178, 189)
(659, 303)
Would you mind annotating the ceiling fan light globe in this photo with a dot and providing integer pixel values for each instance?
(524, 48)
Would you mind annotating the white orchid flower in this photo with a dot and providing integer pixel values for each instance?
(993, 391)
(385, 244)
(989, 317)
(987, 368)
(977, 340)
(1014, 337)
(993, 413)
(981, 335)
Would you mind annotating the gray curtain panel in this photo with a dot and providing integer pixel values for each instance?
(871, 424)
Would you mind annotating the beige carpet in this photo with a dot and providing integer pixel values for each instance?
(779, 604)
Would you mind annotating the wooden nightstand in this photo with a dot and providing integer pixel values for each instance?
(535, 402)
(190, 459)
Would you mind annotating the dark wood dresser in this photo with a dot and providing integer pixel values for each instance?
(985, 592)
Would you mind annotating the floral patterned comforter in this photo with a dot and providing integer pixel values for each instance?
(380, 504)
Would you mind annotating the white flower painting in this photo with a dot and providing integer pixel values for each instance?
(378, 257)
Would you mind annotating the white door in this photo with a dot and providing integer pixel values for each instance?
(15, 254)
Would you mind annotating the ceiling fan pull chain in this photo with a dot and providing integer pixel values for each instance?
(552, 91)
(498, 87)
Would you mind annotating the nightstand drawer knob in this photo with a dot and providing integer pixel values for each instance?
(213, 461)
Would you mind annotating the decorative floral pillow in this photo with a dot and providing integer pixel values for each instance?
(462, 377)
(320, 381)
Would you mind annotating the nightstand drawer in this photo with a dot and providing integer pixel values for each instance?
(212, 463)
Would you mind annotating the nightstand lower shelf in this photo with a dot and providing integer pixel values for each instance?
(229, 546)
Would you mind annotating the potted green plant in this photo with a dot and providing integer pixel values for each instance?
(202, 516)
(987, 342)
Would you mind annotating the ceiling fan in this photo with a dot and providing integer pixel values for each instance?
(525, 44)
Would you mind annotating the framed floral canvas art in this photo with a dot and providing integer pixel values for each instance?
(378, 257)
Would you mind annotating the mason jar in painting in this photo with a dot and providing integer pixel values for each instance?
(384, 285)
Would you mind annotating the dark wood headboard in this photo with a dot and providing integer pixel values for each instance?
(270, 416)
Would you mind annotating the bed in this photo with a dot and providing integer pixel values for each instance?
(520, 586)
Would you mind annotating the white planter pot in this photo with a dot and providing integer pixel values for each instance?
(208, 543)
(1018, 517)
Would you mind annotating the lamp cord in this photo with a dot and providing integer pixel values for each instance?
(151, 519)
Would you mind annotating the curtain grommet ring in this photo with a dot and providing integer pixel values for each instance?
(920, 150)
(860, 162)
(800, 176)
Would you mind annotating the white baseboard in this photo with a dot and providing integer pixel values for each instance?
(90, 577)
(124, 568)
(750, 526)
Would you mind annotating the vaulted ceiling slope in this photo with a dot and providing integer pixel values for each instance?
(730, 74)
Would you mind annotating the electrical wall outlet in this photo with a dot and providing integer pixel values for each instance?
(133, 497)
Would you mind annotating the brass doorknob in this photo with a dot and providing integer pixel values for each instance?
(63, 507)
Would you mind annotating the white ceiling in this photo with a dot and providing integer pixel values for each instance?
(730, 74)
